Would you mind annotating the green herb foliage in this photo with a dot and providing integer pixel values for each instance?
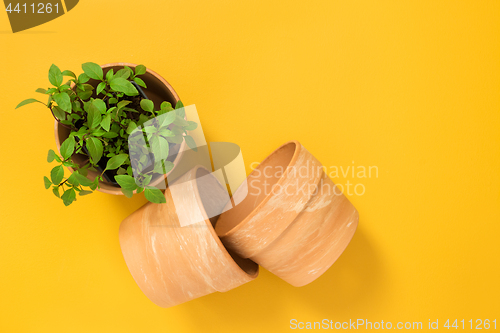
(104, 118)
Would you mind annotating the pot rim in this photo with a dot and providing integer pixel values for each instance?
(117, 190)
(298, 148)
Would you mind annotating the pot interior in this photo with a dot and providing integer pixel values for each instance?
(260, 183)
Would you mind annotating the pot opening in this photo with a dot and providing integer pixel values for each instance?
(259, 182)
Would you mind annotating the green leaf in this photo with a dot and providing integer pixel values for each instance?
(98, 132)
(83, 78)
(76, 106)
(51, 156)
(166, 106)
(56, 157)
(95, 149)
(177, 131)
(121, 171)
(181, 113)
(100, 87)
(69, 73)
(150, 129)
(47, 182)
(126, 182)
(180, 121)
(131, 127)
(93, 70)
(68, 147)
(179, 105)
(121, 85)
(190, 142)
(64, 87)
(140, 82)
(192, 125)
(110, 75)
(75, 116)
(127, 193)
(94, 116)
(176, 139)
(166, 119)
(68, 196)
(72, 180)
(55, 76)
(84, 181)
(95, 184)
(100, 105)
(129, 69)
(130, 109)
(159, 147)
(147, 105)
(163, 167)
(69, 164)
(85, 192)
(166, 132)
(63, 101)
(110, 135)
(55, 190)
(140, 69)
(41, 91)
(105, 122)
(116, 161)
(142, 119)
(168, 166)
(123, 73)
(122, 104)
(154, 195)
(57, 174)
(85, 92)
(28, 101)
(59, 113)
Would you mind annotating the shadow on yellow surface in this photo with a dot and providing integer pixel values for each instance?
(349, 286)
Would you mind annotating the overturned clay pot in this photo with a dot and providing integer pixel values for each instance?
(172, 263)
(291, 219)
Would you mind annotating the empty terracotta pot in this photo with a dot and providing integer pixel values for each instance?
(158, 90)
(173, 264)
(293, 221)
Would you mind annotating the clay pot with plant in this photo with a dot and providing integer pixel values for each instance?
(98, 114)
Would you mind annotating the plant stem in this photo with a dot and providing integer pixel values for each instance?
(63, 183)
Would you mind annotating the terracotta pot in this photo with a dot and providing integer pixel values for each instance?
(173, 264)
(298, 229)
(158, 90)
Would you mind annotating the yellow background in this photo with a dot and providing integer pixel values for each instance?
(410, 87)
